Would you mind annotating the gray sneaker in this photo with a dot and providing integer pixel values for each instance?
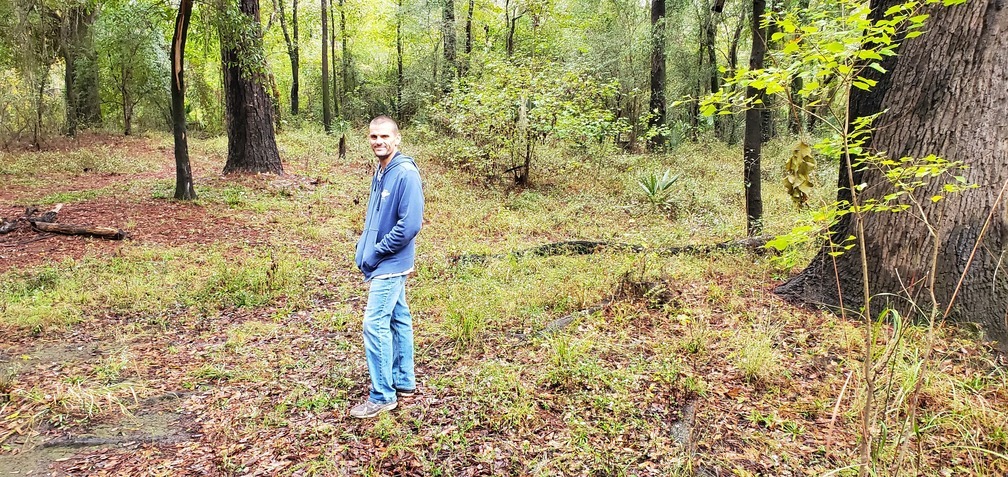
(368, 409)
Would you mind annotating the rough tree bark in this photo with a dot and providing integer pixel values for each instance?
(251, 140)
(946, 94)
(183, 173)
(753, 139)
(657, 102)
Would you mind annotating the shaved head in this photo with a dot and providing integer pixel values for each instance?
(385, 120)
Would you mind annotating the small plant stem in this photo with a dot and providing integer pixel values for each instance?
(867, 409)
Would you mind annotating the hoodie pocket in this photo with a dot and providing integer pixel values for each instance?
(366, 258)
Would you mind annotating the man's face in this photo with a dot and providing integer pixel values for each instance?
(384, 140)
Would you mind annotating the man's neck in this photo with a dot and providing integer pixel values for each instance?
(383, 163)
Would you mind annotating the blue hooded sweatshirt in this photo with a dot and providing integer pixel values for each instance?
(394, 216)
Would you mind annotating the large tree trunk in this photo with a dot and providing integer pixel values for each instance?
(657, 103)
(83, 102)
(752, 142)
(251, 140)
(946, 94)
(183, 173)
(292, 52)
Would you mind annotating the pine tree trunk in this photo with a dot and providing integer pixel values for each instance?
(752, 147)
(946, 94)
(251, 140)
(184, 189)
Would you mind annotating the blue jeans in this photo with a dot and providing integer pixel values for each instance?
(388, 339)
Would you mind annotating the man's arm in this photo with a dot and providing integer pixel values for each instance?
(410, 212)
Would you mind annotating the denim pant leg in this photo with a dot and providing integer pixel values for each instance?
(382, 298)
(403, 376)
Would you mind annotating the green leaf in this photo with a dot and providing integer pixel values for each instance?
(869, 55)
(834, 47)
(877, 67)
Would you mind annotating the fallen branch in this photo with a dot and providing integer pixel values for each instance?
(562, 322)
(7, 226)
(110, 233)
(585, 247)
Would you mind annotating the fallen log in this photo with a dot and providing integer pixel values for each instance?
(585, 247)
(110, 233)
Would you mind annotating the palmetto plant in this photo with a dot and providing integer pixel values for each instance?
(658, 189)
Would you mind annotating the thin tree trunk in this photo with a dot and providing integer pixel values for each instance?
(399, 61)
(292, 53)
(657, 102)
(326, 111)
(796, 104)
(448, 33)
(712, 67)
(468, 31)
(752, 143)
(184, 189)
(345, 50)
(332, 56)
(733, 66)
(344, 75)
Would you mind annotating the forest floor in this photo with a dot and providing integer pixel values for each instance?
(222, 337)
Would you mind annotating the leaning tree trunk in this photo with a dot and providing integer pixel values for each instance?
(183, 173)
(251, 140)
(752, 142)
(946, 94)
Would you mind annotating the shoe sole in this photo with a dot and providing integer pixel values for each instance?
(401, 393)
(380, 410)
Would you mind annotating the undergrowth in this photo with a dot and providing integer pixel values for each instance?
(570, 364)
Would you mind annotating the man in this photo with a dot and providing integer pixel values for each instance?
(385, 254)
